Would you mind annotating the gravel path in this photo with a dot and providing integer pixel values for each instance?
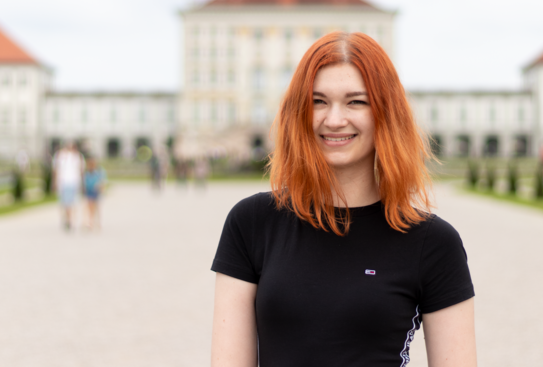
(140, 293)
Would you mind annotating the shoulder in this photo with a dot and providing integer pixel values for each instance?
(252, 210)
(441, 237)
(253, 204)
(440, 227)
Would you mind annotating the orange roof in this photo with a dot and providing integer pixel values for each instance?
(12, 53)
(537, 61)
(289, 2)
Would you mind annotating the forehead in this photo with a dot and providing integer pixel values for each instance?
(339, 76)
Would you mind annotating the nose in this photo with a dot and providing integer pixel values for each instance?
(336, 118)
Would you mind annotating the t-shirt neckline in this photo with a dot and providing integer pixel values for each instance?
(360, 211)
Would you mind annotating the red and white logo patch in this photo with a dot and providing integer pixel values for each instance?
(370, 272)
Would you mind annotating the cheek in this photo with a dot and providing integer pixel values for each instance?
(318, 118)
(367, 122)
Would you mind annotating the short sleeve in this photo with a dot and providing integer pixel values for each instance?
(234, 255)
(444, 274)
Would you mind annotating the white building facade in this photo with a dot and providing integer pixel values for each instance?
(37, 119)
(23, 81)
(478, 123)
(110, 124)
(239, 57)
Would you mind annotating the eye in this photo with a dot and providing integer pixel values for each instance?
(318, 101)
(359, 102)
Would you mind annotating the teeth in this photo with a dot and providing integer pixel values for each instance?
(338, 139)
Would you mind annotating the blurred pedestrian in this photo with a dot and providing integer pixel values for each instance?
(94, 181)
(164, 164)
(154, 165)
(22, 161)
(181, 169)
(201, 172)
(68, 168)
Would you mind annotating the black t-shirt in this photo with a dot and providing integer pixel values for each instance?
(325, 300)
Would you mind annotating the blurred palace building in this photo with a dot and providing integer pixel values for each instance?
(239, 56)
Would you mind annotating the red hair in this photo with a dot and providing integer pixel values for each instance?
(302, 180)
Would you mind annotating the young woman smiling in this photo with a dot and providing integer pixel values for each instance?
(339, 264)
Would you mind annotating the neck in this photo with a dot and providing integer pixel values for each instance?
(358, 186)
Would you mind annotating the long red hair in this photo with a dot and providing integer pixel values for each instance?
(302, 180)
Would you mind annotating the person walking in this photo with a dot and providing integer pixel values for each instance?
(94, 182)
(201, 172)
(68, 167)
(342, 261)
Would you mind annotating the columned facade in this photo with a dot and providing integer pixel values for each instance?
(239, 59)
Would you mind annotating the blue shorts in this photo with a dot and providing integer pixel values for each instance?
(92, 194)
(68, 195)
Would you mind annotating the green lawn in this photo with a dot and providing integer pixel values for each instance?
(17, 206)
(533, 203)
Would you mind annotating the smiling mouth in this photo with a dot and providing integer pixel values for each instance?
(338, 139)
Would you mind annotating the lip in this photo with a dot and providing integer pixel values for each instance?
(337, 143)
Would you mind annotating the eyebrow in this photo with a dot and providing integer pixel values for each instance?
(347, 95)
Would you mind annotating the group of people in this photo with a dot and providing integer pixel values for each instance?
(73, 174)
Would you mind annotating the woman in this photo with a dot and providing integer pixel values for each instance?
(95, 182)
(341, 262)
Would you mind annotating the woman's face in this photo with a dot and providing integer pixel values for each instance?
(342, 117)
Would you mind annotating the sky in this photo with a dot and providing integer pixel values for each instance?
(136, 44)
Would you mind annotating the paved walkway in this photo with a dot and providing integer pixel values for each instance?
(140, 293)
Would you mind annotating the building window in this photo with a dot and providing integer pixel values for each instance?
(286, 76)
(434, 114)
(195, 76)
(463, 145)
(258, 114)
(231, 77)
(463, 115)
(195, 31)
(84, 115)
(362, 29)
(231, 112)
(22, 117)
(114, 147)
(22, 79)
(258, 34)
(213, 31)
(6, 80)
(213, 113)
(521, 114)
(143, 141)
(259, 82)
(492, 114)
(195, 52)
(56, 115)
(288, 34)
(521, 146)
(113, 115)
(231, 32)
(317, 33)
(196, 112)
(436, 144)
(54, 145)
(380, 34)
(491, 146)
(231, 52)
(213, 77)
(213, 53)
(170, 115)
(5, 116)
(142, 115)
